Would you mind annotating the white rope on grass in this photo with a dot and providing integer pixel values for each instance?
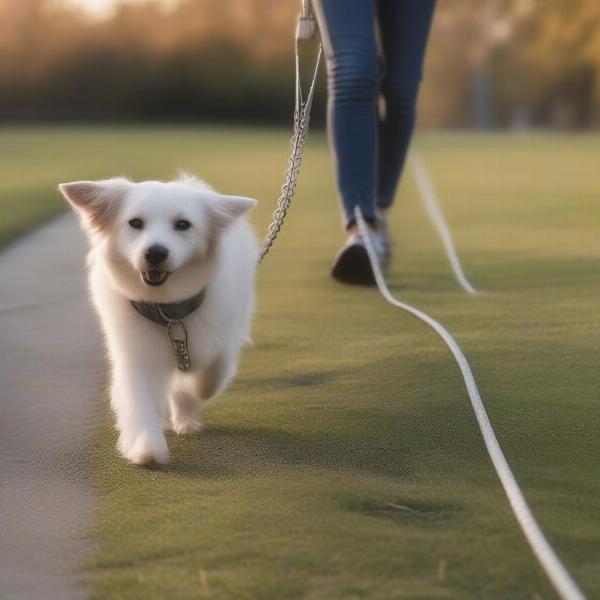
(549, 561)
(428, 195)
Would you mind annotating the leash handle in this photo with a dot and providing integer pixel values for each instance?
(307, 25)
(306, 9)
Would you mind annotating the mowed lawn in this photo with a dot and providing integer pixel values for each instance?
(345, 461)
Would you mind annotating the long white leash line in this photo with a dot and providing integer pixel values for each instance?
(428, 195)
(555, 570)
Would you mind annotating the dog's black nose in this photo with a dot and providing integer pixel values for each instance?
(156, 254)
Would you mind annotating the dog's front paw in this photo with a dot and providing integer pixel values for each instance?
(145, 449)
(187, 425)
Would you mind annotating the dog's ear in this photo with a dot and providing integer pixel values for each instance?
(224, 210)
(95, 201)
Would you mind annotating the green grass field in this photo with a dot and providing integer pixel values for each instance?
(345, 461)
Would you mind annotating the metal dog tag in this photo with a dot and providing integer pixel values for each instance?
(178, 336)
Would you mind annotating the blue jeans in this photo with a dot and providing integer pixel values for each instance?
(370, 138)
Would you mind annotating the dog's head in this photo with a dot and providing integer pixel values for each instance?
(158, 239)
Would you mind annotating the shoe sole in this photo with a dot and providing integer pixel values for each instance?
(353, 266)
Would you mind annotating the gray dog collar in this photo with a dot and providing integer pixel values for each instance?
(173, 311)
(171, 315)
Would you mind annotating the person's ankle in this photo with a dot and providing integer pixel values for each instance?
(354, 229)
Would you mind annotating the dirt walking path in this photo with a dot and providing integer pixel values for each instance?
(51, 373)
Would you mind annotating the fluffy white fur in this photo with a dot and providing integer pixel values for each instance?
(219, 250)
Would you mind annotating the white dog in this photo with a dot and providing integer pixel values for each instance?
(171, 273)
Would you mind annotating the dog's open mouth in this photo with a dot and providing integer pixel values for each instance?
(155, 277)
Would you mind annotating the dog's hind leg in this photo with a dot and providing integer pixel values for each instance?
(191, 389)
(185, 404)
(216, 376)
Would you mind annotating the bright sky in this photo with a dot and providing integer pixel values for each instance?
(102, 8)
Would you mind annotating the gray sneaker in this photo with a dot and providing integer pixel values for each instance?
(352, 263)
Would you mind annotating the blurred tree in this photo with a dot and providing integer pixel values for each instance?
(515, 62)
(490, 62)
(557, 55)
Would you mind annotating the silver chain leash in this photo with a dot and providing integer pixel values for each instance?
(306, 29)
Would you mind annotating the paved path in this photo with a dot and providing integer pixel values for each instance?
(51, 374)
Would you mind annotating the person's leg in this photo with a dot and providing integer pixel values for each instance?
(348, 36)
(404, 28)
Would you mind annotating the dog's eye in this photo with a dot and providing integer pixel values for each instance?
(136, 223)
(182, 225)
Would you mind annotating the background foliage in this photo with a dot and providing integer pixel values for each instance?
(490, 63)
